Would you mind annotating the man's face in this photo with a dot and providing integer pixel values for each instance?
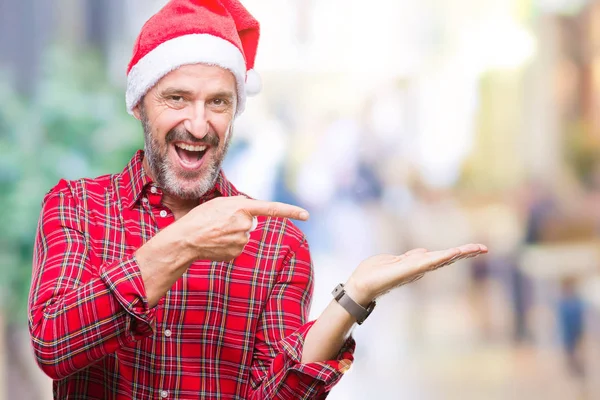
(187, 119)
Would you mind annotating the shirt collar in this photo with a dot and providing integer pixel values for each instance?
(133, 182)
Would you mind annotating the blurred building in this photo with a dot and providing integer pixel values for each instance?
(399, 124)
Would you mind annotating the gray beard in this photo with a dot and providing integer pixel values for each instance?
(164, 173)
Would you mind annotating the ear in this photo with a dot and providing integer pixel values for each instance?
(136, 112)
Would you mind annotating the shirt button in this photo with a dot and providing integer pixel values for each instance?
(153, 189)
(168, 332)
(145, 199)
(164, 394)
(163, 213)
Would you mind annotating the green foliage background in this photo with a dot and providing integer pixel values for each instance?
(74, 126)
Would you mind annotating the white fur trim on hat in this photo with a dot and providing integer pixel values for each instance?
(253, 83)
(184, 50)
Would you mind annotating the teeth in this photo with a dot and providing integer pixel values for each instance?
(189, 147)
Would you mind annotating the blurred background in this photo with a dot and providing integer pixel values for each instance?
(398, 124)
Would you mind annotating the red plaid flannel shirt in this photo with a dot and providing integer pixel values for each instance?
(225, 330)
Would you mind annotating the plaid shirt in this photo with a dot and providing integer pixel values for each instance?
(225, 330)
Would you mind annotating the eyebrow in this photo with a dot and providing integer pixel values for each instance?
(229, 95)
(172, 91)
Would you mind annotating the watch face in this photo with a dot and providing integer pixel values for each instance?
(338, 291)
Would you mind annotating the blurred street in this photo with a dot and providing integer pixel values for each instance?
(397, 124)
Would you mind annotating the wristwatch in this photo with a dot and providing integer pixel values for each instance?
(355, 309)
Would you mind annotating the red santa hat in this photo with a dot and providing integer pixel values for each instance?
(213, 32)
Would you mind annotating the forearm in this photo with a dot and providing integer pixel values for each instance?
(286, 377)
(112, 309)
(286, 344)
(75, 327)
(162, 261)
(331, 330)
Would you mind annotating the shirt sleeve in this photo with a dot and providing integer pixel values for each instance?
(277, 371)
(78, 312)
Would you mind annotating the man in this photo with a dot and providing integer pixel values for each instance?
(164, 281)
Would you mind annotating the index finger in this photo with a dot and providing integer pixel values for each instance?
(274, 209)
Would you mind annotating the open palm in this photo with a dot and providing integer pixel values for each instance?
(379, 274)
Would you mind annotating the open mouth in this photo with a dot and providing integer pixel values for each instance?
(190, 155)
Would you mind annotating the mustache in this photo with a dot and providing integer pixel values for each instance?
(182, 135)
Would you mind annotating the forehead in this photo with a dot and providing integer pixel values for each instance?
(198, 78)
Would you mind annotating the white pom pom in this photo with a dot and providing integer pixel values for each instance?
(253, 83)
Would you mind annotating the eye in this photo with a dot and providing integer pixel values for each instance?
(219, 102)
(176, 98)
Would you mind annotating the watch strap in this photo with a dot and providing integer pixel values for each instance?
(356, 310)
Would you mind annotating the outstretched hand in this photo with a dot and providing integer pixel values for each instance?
(379, 274)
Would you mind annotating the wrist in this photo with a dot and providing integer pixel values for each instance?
(358, 293)
(357, 311)
(184, 245)
(170, 248)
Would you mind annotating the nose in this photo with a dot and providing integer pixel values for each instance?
(197, 122)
